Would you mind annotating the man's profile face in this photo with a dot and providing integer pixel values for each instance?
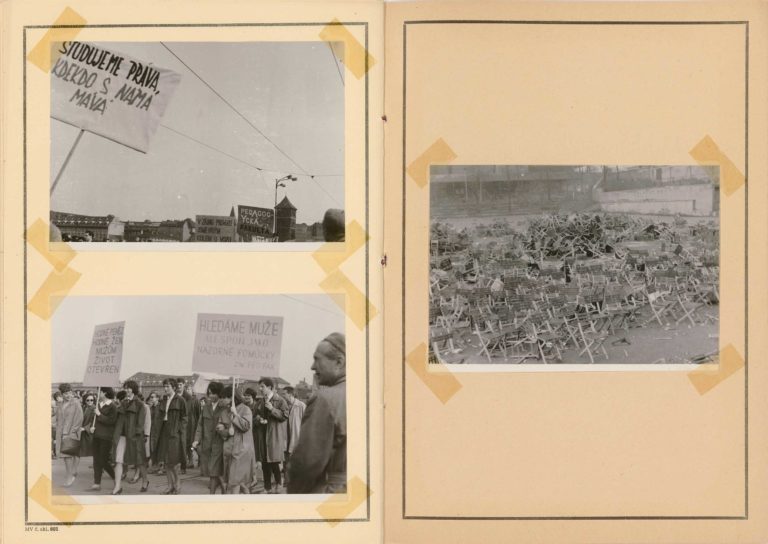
(327, 365)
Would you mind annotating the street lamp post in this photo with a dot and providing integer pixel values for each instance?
(279, 183)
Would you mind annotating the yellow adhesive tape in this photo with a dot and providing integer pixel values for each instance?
(355, 301)
(41, 55)
(706, 153)
(66, 509)
(37, 236)
(730, 361)
(443, 384)
(354, 238)
(51, 293)
(337, 508)
(438, 152)
(356, 58)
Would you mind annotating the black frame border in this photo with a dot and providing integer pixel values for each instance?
(404, 514)
(367, 517)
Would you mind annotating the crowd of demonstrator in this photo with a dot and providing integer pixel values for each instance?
(246, 441)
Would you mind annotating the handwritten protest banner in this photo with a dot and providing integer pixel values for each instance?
(108, 93)
(253, 220)
(246, 346)
(215, 228)
(106, 355)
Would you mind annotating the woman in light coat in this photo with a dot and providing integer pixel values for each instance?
(238, 449)
(69, 421)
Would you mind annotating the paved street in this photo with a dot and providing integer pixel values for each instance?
(191, 483)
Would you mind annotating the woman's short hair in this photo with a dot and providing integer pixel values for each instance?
(108, 392)
(64, 388)
(170, 381)
(56, 394)
(132, 385)
(226, 393)
(250, 392)
(268, 382)
(121, 395)
(214, 388)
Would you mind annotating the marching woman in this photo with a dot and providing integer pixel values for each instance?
(238, 453)
(208, 442)
(128, 444)
(154, 432)
(173, 412)
(89, 419)
(69, 420)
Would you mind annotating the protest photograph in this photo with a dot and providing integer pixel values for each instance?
(194, 395)
(582, 264)
(208, 142)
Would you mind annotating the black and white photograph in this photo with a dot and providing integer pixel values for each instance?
(198, 395)
(577, 264)
(208, 142)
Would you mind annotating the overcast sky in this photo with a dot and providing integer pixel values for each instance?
(160, 331)
(292, 91)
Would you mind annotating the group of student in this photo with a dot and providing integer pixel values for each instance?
(230, 432)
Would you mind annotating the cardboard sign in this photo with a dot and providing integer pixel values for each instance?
(110, 94)
(106, 356)
(215, 228)
(253, 220)
(245, 346)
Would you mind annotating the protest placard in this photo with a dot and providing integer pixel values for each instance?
(215, 228)
(253, 220)
(246, 346)
(108, 93)
(105, 356)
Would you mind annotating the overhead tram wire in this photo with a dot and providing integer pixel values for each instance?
(233, 108)
(246, 163)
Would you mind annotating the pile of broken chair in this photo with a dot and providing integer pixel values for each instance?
(565, 284)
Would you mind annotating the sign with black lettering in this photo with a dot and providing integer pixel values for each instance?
(253, 220)
(110, 94)
(215, 228)
(246, 346)
(106, 356)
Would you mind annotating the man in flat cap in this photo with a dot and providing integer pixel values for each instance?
(319, 463)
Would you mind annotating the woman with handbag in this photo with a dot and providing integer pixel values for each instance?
(69, 421)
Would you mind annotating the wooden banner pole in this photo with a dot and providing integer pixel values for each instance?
(66, 160)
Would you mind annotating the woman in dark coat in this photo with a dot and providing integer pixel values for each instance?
(89, 419)
(128, 443)
(157, 423)
(171, 446)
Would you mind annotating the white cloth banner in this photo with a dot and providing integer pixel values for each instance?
(110, 94)
(246, 346)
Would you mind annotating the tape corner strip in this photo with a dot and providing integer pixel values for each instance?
(444, 385)
(355, 304)
(730, 361)
(53, 290)
(356, 57)
(38, 235)
(438, 152)
(66, 27)
(337, 508)
(66, 509)
(707, 153)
